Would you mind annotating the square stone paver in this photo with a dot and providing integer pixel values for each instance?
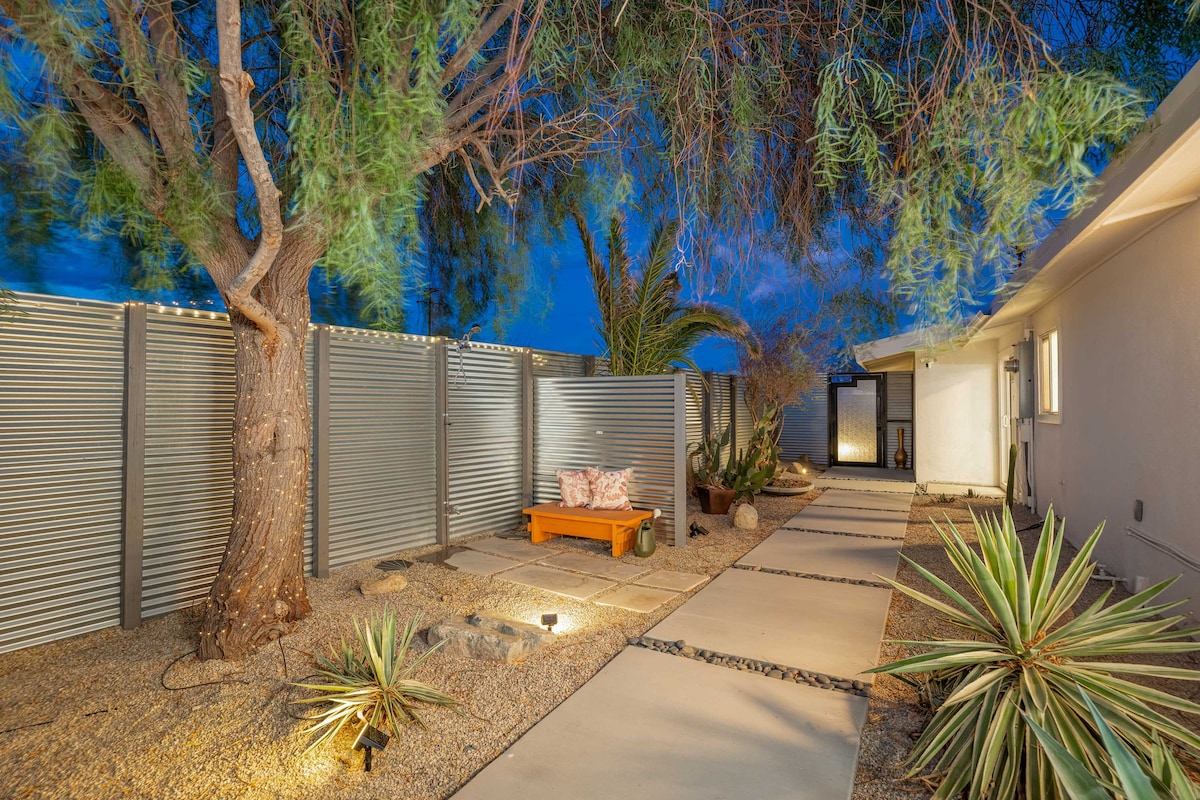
(880, 501)
(833, 628)
(571, 584)
(611, 568)
(649, 725)
(864, 485)
(515, 549)
(891, 524)
(480, 563)
(828, 554)
(642, 599)
(674, 581)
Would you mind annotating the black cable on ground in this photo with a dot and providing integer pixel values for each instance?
(162, 679)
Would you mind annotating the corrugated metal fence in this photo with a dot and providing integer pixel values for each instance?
(806, 426)
(115, 474)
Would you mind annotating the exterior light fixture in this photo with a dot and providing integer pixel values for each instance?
(369, 740)
(550, 620)
(1012, 365)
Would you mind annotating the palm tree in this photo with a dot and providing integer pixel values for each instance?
(646, 328)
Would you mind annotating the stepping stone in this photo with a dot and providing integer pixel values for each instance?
(833, 628)
(604, 567)
(879, 501)
(581, 587)
(671, 580)
(651, 725)
(479, 563)
(826, 554)
(850, 520)
(865, 485)
(636, 598)
(509, 548)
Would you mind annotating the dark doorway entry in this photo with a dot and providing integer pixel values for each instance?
(857, 420)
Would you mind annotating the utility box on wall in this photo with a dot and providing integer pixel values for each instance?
(1026, 371)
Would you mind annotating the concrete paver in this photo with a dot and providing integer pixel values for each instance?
(891, 524)
(642, 599)
(865, 484)
(650, 725)
(509, 548)
(828, 554)
(828, 627)
(480, 563)
(880, 501)
(672, 580)
(605, 567)
(558, 581)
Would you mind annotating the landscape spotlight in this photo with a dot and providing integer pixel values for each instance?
(369, 740)
(550, 620)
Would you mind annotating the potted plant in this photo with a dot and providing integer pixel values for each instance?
(741, 476)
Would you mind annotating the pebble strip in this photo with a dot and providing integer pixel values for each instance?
(812, 576)
(844, 533)
(820, 680)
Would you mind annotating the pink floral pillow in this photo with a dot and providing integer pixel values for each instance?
(574, 487)
(610, 490)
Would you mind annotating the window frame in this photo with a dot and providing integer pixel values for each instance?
(1049, 363)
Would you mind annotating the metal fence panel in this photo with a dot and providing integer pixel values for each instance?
(485, 444)
(721, 403)
(382, 492)
(612, 423)
(61, 405)
(189, 470)
(694, 410)
(899, 415)
(745, 422)
(806, 426)
(547, 364)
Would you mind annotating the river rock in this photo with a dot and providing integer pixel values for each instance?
(389, 584)
(489, 638)
(745, 517)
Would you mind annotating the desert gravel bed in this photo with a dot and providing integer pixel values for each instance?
(90, 717)
(896, 716)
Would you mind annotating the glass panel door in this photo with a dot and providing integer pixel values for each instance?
(858, 422)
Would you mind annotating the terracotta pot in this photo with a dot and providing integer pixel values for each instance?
(714, 500)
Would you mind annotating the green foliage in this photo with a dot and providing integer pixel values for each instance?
(371, 685)
(1022, 662)
(1164, 779)
(745, 471)
(645, 326)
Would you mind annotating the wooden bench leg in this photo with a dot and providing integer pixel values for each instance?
(536, 534)
(622, 540)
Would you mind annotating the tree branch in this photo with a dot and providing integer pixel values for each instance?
(237, 85)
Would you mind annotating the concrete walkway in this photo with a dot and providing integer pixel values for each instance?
(752, 688)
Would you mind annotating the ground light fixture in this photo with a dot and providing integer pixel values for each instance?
(369, 740)
(550, 620)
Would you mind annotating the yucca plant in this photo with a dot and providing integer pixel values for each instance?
(371, 686)
(1025, 663)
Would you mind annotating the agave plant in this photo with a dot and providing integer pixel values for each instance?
(372, 686)
(1024, 663)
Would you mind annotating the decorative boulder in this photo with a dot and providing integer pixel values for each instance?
(391, 583)
(488, 638)
(745, 517)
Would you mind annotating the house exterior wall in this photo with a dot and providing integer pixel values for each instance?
(1129, 426)
(955, 416)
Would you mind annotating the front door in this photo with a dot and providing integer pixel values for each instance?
(856, 420)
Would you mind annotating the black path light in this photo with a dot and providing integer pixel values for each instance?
(369, 740)
(550, 620)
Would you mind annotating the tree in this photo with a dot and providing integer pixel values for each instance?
(262, 140)
(645, 327)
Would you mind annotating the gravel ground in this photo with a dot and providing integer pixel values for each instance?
(132, 714)
(895, 716)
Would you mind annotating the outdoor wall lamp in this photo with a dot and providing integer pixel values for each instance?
(369, 740)
(1012, 365)
(550, 620)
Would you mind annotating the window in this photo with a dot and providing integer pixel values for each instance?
(1048, 393)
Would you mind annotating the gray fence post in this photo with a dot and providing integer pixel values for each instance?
(589, 366)
(134, 466)
(733, 413)
(441, 392)
(527, 423)
(706, 409)
(320, 452)
(681, 521)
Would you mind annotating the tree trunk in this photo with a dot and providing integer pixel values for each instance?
(260, 587)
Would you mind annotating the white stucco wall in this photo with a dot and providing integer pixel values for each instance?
(955, 417)
(1130, 422)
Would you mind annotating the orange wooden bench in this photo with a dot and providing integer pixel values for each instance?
(549, 520)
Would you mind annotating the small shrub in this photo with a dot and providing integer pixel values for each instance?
(1021, 664)
(371, 686)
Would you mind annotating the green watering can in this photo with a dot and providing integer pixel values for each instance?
(644, 543)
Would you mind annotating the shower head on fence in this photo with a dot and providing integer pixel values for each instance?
(465, 342)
